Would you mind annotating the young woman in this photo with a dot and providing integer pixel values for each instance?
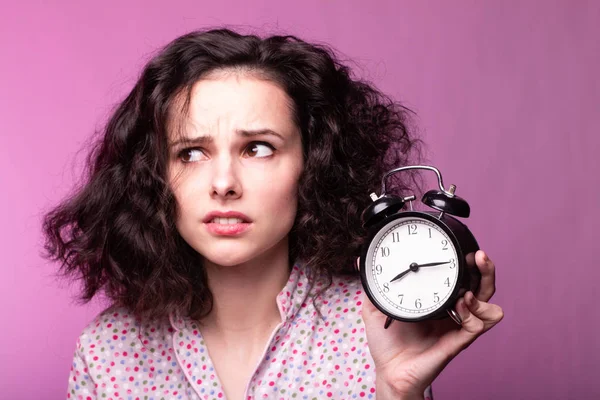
(222, 218)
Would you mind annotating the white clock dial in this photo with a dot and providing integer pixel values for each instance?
(420, 291)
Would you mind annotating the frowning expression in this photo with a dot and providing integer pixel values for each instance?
(234, 168)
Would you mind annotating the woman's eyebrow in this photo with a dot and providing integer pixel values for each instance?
(204, 139)
(258, 132)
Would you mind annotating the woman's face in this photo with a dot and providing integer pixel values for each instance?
(246, 157)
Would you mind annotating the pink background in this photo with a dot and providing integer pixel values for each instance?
(508, 97)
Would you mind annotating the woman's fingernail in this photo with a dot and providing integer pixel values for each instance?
(471, 299)
(461, 306)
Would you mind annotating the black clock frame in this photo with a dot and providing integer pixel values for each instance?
(464, 242)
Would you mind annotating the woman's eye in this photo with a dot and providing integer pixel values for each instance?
(260, 149)
(190, 155)
(255, 149)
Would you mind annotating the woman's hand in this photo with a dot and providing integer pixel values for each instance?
(409, 355)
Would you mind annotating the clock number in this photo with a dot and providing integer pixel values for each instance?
(436, 298)
(418, 303)
(445, 244)
(453, 263)
(447, 282)
(378, 269)
(386, 287)
(412, 229)
(429, 233)
(401, 297)
(385, 251)
(396, 237)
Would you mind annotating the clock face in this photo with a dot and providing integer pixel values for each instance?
(398, 267)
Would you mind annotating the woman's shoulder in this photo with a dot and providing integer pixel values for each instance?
(346, 285)
(112, 319)
(343, 296)
(118, 328)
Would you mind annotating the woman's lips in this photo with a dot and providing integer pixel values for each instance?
(210, 217)
(228, 229)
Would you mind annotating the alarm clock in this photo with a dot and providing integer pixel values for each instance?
(415, 265)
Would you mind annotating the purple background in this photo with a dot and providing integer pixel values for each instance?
(508, 97)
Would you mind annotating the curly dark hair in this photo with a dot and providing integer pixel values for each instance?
(116, 231)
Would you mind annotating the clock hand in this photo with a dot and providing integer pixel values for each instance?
(400, 275)
(415, 267)
(430, 264)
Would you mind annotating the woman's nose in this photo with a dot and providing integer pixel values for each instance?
(225, 182)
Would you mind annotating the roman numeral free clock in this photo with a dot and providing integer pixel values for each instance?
(416, 264)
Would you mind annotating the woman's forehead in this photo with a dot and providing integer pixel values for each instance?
(228, 102)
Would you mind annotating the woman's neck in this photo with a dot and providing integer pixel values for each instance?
(244, 296)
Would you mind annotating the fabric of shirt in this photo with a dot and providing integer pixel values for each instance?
(308, 356)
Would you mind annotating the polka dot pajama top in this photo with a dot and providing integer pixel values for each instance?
(307, 356)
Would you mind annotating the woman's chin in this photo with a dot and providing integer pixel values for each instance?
(230, 258)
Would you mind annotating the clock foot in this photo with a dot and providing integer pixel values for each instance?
(388, 322)
(455, 317)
